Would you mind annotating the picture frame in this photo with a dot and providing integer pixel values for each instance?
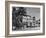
(27, 5)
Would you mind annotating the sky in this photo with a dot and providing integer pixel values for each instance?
(33, 12)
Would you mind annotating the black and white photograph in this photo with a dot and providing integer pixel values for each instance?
(25, 18)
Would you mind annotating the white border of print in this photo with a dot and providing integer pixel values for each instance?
(30, 31)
